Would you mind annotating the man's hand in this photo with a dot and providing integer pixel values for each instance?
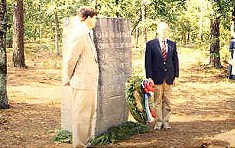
(150, 80)
(67, 84)
(175, 81)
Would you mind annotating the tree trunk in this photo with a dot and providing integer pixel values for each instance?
(96, 4)
(215, 43)
(201, 21)
(188, 37)
(183, 38)
(117, 3)
(3, 58)
(137, 38)
(233, 22)
(143, 9)
(56, 34)
(18, 35)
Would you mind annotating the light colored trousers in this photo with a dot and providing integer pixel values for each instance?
(162, 103)
(83, 116)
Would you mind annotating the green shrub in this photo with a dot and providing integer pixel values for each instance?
(120, 132)
(63, 136)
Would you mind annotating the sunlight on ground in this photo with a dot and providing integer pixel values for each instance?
(202, 103)
(33, 95)
(227, 136)
(140, 143)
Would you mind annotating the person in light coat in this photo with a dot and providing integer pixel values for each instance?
(80, 71)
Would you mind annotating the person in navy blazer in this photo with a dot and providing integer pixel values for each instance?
(162, 71)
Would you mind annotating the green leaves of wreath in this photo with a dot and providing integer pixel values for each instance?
(135, 99)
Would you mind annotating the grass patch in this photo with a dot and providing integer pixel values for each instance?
(118, 133)
(63, 136)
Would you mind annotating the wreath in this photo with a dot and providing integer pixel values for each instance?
(135, 99)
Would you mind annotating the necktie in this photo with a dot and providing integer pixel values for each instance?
(93, 49)
(90, 36)
(164, 50)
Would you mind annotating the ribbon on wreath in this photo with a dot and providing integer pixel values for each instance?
(149, 89)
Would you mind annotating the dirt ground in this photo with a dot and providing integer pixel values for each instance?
(203, 106)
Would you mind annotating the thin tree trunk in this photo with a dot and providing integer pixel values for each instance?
(143, 9)
(215, 43)
(96, 4)
(56, 34)
(232, 28)
(183, 38)
(18, 35)
(3, 58)
(233, 22)
(136, 38)
(188, 37)
(201, 21)
(117, 3)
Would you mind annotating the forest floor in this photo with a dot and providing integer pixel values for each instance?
(203, 106)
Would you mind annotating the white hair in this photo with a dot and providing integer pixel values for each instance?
(162, 25)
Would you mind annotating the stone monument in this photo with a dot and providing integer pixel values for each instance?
(113, 42)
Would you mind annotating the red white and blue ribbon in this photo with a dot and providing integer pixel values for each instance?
(148, 87)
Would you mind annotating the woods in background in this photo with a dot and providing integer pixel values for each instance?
(204, 23)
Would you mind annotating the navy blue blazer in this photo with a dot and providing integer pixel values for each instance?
(158, 69)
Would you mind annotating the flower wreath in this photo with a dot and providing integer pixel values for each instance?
(139, 99)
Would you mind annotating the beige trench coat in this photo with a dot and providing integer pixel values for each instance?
(80, 69)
